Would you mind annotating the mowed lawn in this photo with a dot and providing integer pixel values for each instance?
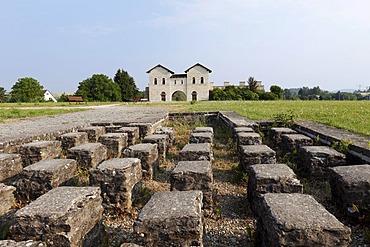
(350, 115)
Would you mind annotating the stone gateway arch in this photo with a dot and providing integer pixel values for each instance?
(194, 83)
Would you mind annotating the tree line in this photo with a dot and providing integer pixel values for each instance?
(98, 87)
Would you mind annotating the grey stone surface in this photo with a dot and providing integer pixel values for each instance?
(272, 178)
(39, 150)
(62, 217)
(112, 128)
(298, 220)
(194, 175)
(172, 219)
(7, 198)
(196, 151)
(148, 154)
(201, 137)
(167, 131)
(130, 245)
(144, 128)
(314, 160)
(248, 138)
(233, 120)
(203, 129)
(350, 185)
(243, 129)
(132, 134)
(275, 135)
(29, 243)
(72, 139)
(256, 154)
(115, 143)
(50, 127)
(10, 165)
(119, 180)
(93, 132)
(162, 141)
(88, 155)
(39, 178)
(291, 142)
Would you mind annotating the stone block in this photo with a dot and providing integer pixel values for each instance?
(88, 155)
(40, 177)
(203, 129)
(39, 150)
(243, 129)
(64, 216)
(93, 132)
(119, 180)
(112, 128)
(172, 218)
(130, 245)
(291, 142)
(272, 178)
(144, 128)
(350, 185)
(196, 151)
(314, 160)
(115, 143)
(167, 131)
(162, 142)
(275, 135)
(297, 220)
(148, 154)
(248, 138)
(201, 137)
(72, 139)
(132, 134)
(194, 175)
(7, 198)
(10, 165)
(256, 154)
(29, 243)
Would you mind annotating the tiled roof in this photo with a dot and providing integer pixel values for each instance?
(198, 64)
(160, 67)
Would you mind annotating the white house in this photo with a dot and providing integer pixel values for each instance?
(48, 96)
(164, 83)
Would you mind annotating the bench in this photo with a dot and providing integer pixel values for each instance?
(75, 99)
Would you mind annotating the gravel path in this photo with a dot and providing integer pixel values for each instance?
(33, 128)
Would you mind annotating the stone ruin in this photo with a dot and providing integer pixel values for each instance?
(118, 156)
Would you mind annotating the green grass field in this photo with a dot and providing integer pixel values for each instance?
(350, 115)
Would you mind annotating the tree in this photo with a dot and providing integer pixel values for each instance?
(126, 84)
(278, 91)
(99, 88)
(27, 90)
(287, 95)
(2, 95)
(252, 84)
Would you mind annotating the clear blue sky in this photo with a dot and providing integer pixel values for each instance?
(291, 43)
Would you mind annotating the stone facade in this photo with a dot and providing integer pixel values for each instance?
(163, 83)
(119, 180)
(62, 217)
(256, 154)
(291, 142)
(115, 143)
(88, 155)
(162, 141)
(72, 139)
(133, 134)
(172, 218)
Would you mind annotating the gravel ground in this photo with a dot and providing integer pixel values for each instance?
(33, 127)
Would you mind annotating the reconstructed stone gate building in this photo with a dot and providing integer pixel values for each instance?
(163, 83)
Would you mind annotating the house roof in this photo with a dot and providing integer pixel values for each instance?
(178, 76)
(161, 66)
(198, 64)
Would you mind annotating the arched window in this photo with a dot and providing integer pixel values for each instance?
(201, 80)
(182, 81)
(194, 96)
(175, 82)
(163, 96)
(193, 80)
(163, 81)
(155, 81)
